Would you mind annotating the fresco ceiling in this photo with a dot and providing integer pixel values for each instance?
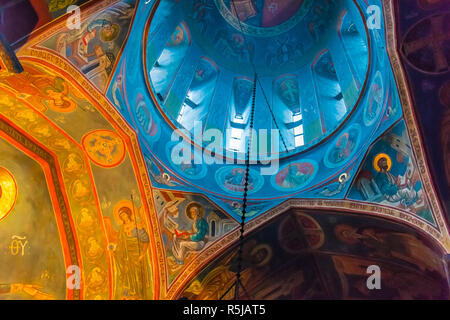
(342, 113)
(91, 121)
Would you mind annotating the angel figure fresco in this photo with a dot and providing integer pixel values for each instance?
(129, 248)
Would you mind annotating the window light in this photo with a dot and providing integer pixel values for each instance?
(299, 141)
(298, 130)
(297, 117)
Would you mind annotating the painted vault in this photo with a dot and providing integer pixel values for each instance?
(89, 180)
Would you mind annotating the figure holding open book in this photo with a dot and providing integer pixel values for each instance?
(194, 239)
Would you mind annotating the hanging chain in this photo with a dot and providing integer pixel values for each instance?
(238, 283)
(244, 205)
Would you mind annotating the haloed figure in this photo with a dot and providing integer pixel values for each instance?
(193, 240)
(130, 254)
(399, 188)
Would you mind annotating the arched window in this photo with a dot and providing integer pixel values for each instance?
(355, 44)
(213, 228)
(239, 110)
(329, 93)
(286, 101)
(201, 91)
(166, 67)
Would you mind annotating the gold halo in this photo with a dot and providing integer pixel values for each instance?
(380, 156)
(114, 34)
(267, 258)
(8, 192)
(124, 204)
(343, 177)
(201, 210)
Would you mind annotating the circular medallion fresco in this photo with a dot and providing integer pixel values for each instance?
(374, 105)
(73, 164)
(105, 148)
(146, 122)
(292, 240)
(232, 179)
(261, 255)
(422, 48)
(344, 147)
(186, 164)
(295, 175)
(8, 192)
(81, 190)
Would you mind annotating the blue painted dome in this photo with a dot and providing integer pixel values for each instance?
(311, 58)
(186, 79)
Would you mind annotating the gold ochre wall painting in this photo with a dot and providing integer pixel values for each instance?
(77, 183)
(95, 47)
(31, 236)
(8, 192)
(55, 103)
(106, 149)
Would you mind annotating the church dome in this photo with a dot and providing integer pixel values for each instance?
(311, 59)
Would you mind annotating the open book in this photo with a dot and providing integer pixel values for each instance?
(180, 234)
